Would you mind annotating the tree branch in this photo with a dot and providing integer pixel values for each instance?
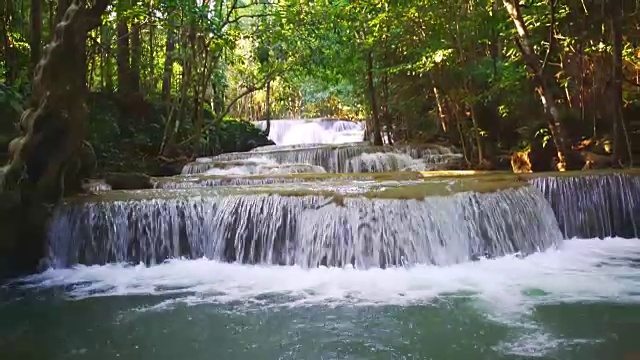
(552, 19)
(631, 82)
(247, 16)
(94, 14)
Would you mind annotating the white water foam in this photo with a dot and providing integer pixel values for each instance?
(314, 131)
(581, 270)
(263, 166)
(381, 162)
(505, 289)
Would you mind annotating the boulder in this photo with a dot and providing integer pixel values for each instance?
(258, 141)
(128, 181)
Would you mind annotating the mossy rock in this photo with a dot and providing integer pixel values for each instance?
(128, 181)
(386, 186)
(400, 185)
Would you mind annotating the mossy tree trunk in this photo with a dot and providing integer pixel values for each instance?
(46, 161)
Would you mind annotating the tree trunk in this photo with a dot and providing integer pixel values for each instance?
(546, 86)
(476, 133)
(268, 108)
(621, 146)
(106, 39)
(375, 113)
(123, 58)
(36, 33)
(386, 114)
(47, 161)
(168, 65)
(61, 8)
(151, 76)
(441, 113)
(51, 6)
(8, 51)
(136, 55)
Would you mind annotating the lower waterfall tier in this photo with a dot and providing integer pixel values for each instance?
(366, 220)
(308, 231)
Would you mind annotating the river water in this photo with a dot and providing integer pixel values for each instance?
(580, 301)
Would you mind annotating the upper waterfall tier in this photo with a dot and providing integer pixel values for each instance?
(314, 131)
(346, 158)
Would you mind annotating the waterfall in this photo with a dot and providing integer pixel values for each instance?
(314, 131)
(338, 158)
(193, 181)
(308, 231)
(589, 206)
(258, 166)
(385, 162)
(335, 146)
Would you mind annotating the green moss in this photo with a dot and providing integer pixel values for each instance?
(398, 185)
(304, 177)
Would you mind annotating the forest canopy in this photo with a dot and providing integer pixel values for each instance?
(181, 77)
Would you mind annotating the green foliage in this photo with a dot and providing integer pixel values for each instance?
(120, 141)
(314, 57)
(10, 98)
(10, 109)
(232, 135)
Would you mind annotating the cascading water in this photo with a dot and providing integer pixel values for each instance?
(342, 159)
(308, 231)
(258, 166)
(314, 131)
(594, 206)
(291, 271)
(381, 262)
(335, 145)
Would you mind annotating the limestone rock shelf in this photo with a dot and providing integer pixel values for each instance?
(406, 185)
(399, 185)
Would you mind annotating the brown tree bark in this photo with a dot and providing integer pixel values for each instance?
(36, 33)
(48, 160)
(106, 38)
(371, 91)
(123, 58)
(476, 133)
(61, 8)
(167, 73)
(621, 146)
(7, 14)
(151, 76)
(386, 114)
(267, 115)
(136, 58)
